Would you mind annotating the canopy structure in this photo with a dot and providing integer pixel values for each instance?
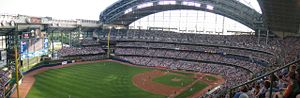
(124, 12)
(281, 16)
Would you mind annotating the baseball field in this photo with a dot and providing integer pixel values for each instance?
(113, 80)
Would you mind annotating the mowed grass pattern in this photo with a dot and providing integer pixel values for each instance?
(167, 80)
(98, 80)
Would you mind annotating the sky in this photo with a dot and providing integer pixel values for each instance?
(58, 9)
(65, 9)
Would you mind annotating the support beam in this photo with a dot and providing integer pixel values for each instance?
(267, 37)
(61, 39)
(258, 36)
(52, 43)
(70, 38)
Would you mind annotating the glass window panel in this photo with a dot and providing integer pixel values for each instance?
(188, 20)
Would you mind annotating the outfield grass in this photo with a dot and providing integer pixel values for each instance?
(98, 80)
(211, 78)
(194, 89)
(167, 80)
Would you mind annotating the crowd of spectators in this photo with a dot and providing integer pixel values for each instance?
(89, 42)
(241, 52)
(4, 78)
(287, 48)
(77, 51)
(286, 85)
(201, 56)
(242, 41)
(291, 49)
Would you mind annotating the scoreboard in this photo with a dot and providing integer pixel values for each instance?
(33, 48)
(33, 44)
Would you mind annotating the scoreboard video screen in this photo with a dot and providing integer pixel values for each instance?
(33, 45)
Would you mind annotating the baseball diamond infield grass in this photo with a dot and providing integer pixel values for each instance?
(195, 88)
(211, 78)
(167, 80)
(97, 80)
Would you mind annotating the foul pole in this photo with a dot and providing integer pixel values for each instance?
(17, 68)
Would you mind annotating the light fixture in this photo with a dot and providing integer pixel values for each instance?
(209, 7)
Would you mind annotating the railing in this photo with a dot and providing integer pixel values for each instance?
(261, 77)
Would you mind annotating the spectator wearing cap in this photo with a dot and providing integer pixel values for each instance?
(242, 93)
